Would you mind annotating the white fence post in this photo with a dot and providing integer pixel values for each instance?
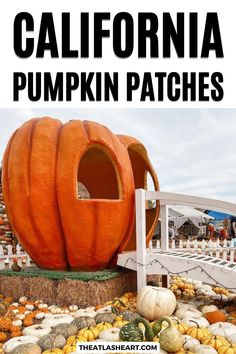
(164, 228)
(141, 238)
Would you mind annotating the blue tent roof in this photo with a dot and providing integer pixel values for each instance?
(218, 216)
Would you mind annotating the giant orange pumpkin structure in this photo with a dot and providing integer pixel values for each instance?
(43, 165)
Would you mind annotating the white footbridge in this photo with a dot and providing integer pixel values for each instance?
(214, 264)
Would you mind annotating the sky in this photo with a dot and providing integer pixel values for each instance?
(192, 150)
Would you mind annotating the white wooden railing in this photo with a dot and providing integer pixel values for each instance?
(224, 250)
(6, 260)
(165, 199)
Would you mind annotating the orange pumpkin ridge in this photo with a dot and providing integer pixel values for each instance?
(140, 165)
(42, 164)
(29, 171)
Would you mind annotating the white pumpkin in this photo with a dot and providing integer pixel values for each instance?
(15, 304)
(14, 342)
(20, 316)
(189, 342)
(197, 284)
(29, 307)
(40, 315)
(56, 310)
(186, 312)
(154, 302)
(43, 306)
(85, 312)
(223, 329)
(105, 309)
(232, 338)
(17, 323)
(37, 330)
(54, 320)
(205, 292)
(73, 308)
(209, 308)
(185, 305)
(203, 349)
(196, 322)
(110, 335)
(22, 299)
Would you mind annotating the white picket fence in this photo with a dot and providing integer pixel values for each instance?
(224, 250)
(6, 260)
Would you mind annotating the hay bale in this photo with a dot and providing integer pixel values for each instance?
(67, 292)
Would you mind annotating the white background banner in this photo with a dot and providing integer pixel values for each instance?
(110, 62)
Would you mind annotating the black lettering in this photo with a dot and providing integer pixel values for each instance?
(53, 91)
(34, 85)
(72, 83)
(147, 88)
(193, 35)
(47, 29)
(173, 93)
(189, 87)
(203, 86)
(217, 94)
(144, 34)
(84, 28)
(129, 35)
(29, 42)
(100, 33)
(67, 52)
(19, 84)
(111, 86)
(133, 82)
(170, 33)
(86, 86)
(212, 28)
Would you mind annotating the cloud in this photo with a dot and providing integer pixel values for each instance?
(192, 150)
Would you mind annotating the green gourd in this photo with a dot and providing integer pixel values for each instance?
(132, 333)
(170, 338)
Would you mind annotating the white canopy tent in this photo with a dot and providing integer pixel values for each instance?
(181, 214)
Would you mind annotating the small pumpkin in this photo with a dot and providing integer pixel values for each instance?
(14, 342)
(85, 313)
(119, 323)
(3, 336)
(37, 330)
(128, 315)
(198, 333)
(110, 335)
(222, 329)
(214, 341)
(105, 317)
(189, 342)
(51, 341)
(180, 326)
(53, 320)
(131, 332)
(74, 339)
(215, 316)
(90, 333)
(5, 324)
(66, 330)
(227, 349)
(84, 321)
(102, 326)
(28, 348)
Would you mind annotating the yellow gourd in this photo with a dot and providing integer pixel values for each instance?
(225, 349)
(215, 341)
(198, 333)
(119, 323)
(52, 351)
(75, 339)
(103, 326)
(90, 333)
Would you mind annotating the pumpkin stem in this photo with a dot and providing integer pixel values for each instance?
(195, 323)
(149, 334)
(157, 325)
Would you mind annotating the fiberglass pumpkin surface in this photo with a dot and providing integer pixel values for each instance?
(42, 167)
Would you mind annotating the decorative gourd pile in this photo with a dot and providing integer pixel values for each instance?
(203, 324)
(6, 234)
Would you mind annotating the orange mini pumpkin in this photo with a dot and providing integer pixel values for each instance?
(215, 316)
(44, 165)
